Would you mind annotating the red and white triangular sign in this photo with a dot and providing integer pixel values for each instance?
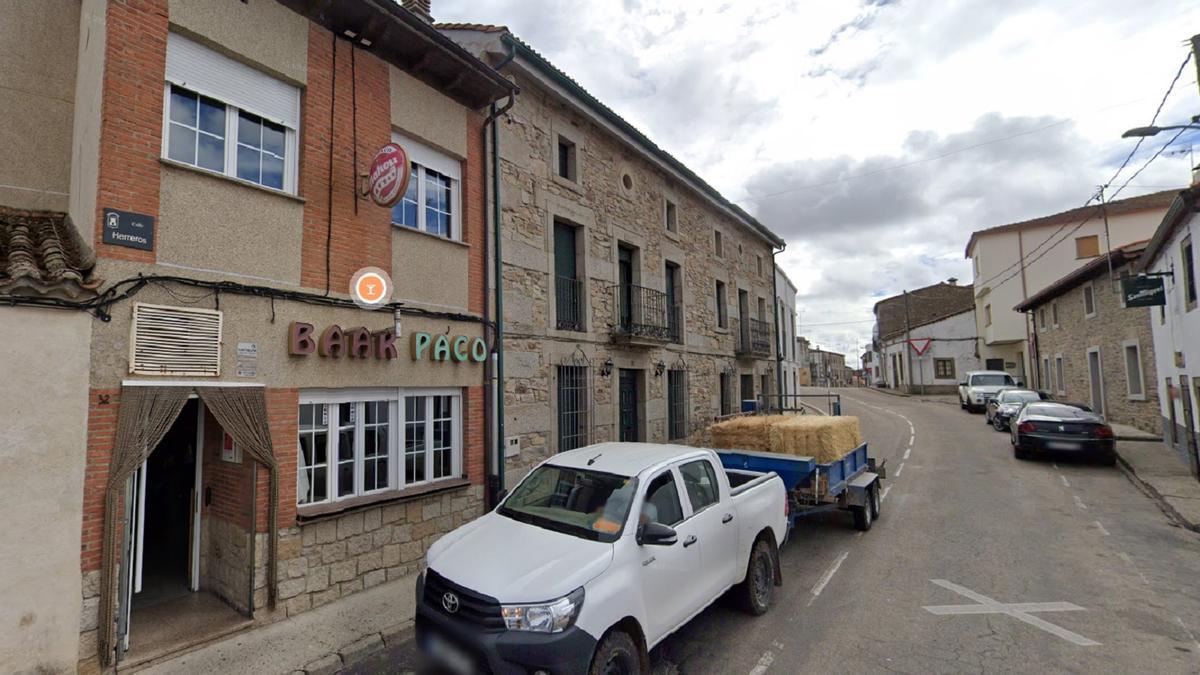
(920, 345)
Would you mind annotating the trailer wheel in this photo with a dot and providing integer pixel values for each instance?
(875, 500)
(863, 518)
(758, 590)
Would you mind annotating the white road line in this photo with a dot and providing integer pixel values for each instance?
(1189, 632)
(899, 469)
(816, 590)
(907, 452)
(911, 438)
(1079, 502)
(1064, 480)
(766, 659)
(883, 495)
(1126, 558)
(1100, 526)
(1019, 611)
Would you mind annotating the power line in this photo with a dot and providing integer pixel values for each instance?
(1153, 119)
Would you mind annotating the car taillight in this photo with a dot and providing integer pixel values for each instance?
(1026, 427)
(1103, 431)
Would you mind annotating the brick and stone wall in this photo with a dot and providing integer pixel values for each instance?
(608, 212)
(1109, 330)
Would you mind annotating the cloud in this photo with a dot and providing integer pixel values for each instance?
(800, 111)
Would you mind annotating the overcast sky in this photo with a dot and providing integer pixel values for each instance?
(875, 136)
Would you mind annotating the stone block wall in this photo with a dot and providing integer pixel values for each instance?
(1109, 329)
(336, 556)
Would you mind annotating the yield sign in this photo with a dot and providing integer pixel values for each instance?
(920, 345)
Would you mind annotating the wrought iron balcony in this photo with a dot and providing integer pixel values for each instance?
(753, 338)
(568, 303)
(642, 315)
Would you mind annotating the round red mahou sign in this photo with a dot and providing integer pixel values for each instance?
(389, 175)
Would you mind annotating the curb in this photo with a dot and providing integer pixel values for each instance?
(1158, 498)
(360, 650)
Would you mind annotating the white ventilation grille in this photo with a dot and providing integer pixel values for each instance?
(175, 341)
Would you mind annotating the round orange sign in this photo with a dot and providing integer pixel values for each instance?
(370, 288)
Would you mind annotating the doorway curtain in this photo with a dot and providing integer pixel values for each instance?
(144, 416)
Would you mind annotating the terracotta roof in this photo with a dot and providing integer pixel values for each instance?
(925, 306)
(1154, 200)
(1122, 256)
(481, 27)
(42, 254)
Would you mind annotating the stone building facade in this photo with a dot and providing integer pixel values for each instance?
(614, 254)
(1091, 349)
(201, 458)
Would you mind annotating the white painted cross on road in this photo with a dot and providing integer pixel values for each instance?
(1021, 611)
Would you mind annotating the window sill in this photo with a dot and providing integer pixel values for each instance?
(567, 182)
(319, 512)
(721, 331)
(1136, 397)
(673, 235)
(423, 233)
(232, 179)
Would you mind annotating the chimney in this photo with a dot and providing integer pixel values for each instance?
(418, 7)
(953, 281)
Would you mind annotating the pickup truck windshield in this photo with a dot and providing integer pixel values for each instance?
(991, 380)
(587, 504)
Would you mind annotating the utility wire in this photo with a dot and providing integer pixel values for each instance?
(1162, 102)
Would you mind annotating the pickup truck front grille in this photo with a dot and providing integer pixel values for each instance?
(473, 608)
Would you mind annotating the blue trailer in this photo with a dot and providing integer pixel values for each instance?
(849, 483)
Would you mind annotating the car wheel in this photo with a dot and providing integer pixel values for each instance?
(997, 424)
(617, 654)
(758, 590)
(1019, 453)
(1109, 460)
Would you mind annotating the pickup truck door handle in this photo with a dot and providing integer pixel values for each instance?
(728, 517)
(689, 541)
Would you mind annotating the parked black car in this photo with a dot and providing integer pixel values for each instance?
(1007, 404)
(1044, 428)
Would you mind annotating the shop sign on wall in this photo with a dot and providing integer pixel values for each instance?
(133, 230)
(247, 359)
(334, 342)
(445, 348)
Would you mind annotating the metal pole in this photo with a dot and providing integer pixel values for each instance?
(1112, 280)
(907, 337)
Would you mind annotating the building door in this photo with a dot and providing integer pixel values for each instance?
(1190, 442)
(747, 387)
(625, 284)
(1095, 381)
(994, 364)
(627, 401)
(163, 527)
(726, 403)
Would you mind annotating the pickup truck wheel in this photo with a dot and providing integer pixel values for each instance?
(961, 405)
(758, 590)
(863, 518)
(616, 655)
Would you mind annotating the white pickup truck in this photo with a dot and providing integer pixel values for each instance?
(596, 556)
(980, 386)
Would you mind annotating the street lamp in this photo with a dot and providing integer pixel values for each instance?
(1145, 132)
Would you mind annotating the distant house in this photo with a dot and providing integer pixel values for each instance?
(924, 340)
(1013, 262)
(1090, 348)
(828, 368)
(1176, 324)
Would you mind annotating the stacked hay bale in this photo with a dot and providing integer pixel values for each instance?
(822, 438)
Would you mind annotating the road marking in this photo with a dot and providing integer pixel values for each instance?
(1022, 611)
(766, 660)
(1126, 558)
(1064, 481)
(1189, 632)
(907, 452)
(1079, 502)
(883, 495)
(911, 438)
(899, 469)
(1100, 526)
(816, 590)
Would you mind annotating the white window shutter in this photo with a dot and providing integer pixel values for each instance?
(196, 67)
(175, 341)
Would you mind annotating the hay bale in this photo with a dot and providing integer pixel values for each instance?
(822, 438)
(744, 433)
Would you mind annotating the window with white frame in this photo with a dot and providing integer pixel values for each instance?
(1135, 387)
(355, 443)
(224, 116)
(432, 202)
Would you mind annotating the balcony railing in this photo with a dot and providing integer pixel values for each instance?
(568, 303)
(753, 337)
(642, 314)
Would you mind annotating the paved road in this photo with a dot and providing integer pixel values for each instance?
(1047, 567)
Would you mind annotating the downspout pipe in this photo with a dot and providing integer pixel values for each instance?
(496, 403)
(778, 338)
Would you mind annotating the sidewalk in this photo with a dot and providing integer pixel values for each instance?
(1158, 471)
(322, 641)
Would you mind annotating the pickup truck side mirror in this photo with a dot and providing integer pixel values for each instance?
(1020, 383)
(963, 383)
(656, 534)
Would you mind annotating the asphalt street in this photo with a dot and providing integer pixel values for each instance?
(979, 563)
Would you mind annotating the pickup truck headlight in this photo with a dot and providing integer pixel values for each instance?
(547, 617)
